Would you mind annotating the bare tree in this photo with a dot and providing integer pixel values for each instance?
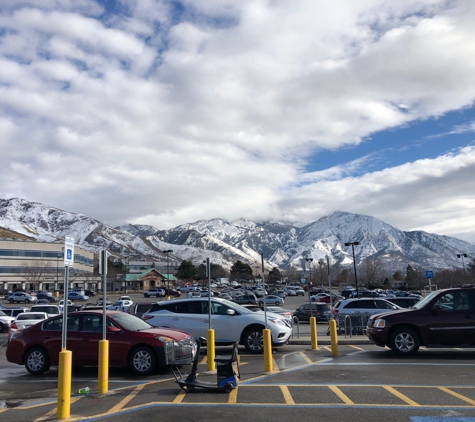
(33, 272)
(372, 272)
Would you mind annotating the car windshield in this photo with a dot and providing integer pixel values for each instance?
(130, 322)
(3, 313)
(423, 302)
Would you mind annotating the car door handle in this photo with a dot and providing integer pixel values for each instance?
(205, 320)
(175, 318)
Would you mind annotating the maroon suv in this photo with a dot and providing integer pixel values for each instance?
(443, 318)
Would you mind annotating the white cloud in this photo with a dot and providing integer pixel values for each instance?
(148, 118)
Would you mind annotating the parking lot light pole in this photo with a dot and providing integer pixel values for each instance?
(168, 273)
(463, 255)
(353, 244)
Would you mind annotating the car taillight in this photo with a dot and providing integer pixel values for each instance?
(14, 326)
(318, 313)
(335, 311)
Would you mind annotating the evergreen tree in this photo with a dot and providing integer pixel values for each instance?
(186, 270)
(274, 275)
(240, 270)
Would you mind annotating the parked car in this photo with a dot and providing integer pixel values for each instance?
(172, 292)
(51, 310)
(120, 305)
(193, 294)
(46, 296)
(364, 306)
(61, 304)
(132, 343)
(138, 309)
(100, 301)
(77, 296)
(154, 291)
(271, 300)
(403, 302)
(5, 321)
(13, 311)
(280, 311)
(25, 320)
(90, 293)
(443, 318)
(249, 299)
(17, 297)
(318, 310)
(231, 322)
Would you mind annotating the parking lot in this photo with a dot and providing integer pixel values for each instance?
(363, 382)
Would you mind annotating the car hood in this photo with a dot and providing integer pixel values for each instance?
(389, 313)
(167, 332)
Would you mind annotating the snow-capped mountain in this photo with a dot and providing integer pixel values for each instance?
(283, 243)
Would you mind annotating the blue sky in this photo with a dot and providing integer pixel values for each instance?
(163, 112)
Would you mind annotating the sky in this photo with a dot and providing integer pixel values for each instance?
(167, 112)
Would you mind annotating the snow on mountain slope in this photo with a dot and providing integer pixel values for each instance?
(281, 242)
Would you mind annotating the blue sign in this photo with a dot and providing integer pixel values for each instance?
(429, 274)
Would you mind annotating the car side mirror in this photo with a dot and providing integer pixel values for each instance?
(436, 308)
(230, 312)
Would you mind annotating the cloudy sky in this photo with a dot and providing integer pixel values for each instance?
(167, 112)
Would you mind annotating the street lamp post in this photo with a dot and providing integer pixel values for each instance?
(353, 244)
(168, 271)
(320, 263)
(463, 255)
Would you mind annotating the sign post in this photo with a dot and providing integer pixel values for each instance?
(103, 370)
(63, 407)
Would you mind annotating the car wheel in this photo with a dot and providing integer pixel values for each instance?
(2, 328)
(27, 301)
(11, 300)
(254, 341)
(277, 302)
(36, 361)
(143, 361)
(145, 295)
(404, 341)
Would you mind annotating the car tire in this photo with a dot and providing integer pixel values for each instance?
(277, 303)
(11, 300)
(142, 360)
(27, 301)
(146, 296)
(36, 361)
(2, 327)
(254, 341)
(404, 341)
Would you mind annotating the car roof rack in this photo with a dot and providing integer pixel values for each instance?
(467, 286)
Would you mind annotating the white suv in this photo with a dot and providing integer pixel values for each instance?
(21, 297)
(230, 321)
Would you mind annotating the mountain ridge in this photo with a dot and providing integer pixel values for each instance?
(282, 243)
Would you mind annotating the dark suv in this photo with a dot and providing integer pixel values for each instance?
(443, 318)
(318, 310)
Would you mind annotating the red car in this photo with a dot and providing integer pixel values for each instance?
(133, 343)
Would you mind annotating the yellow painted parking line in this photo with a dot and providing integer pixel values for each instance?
(233, 396)
(179, 398)
(459, 396)
(275, 367)
(305, 357)
(356, 347)
(287, 396)
(127, 399)
(205, 359)
(340, 394)
(328, 348)
(400, 396)
(54, 411)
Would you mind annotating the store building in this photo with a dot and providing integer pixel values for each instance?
(36, 266)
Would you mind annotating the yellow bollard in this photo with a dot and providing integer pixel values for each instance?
(267, 350)
(313, 332)
(63, 408)
(103, 373)
(334, 337)
(210, 350)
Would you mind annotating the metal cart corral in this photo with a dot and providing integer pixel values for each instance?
(351, 324)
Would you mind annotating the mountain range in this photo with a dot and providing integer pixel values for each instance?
(282, 243)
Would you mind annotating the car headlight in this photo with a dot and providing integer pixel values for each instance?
(277, 321)
(379, 323)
